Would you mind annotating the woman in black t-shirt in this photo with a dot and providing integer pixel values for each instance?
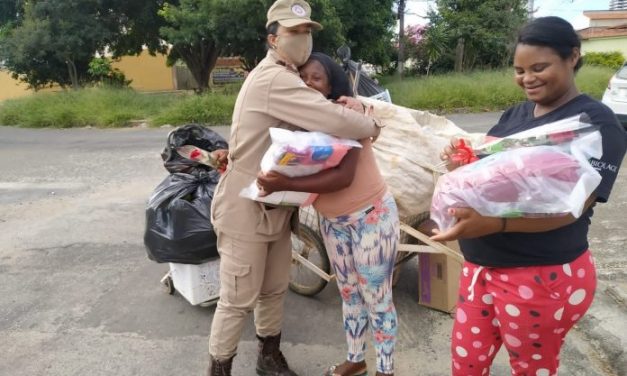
(527, 281)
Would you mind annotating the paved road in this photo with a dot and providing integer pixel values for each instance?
(79, 297)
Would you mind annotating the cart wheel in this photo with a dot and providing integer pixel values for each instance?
(168, 285)
(401, 257)
(309, 245)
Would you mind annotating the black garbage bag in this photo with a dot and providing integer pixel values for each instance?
(178, 221)
(190, 134)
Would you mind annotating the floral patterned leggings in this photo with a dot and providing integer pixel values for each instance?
(362, 251)
(529, 310)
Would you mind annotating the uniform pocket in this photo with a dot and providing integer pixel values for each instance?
(233, 279)
(272, 221)
(217, 198)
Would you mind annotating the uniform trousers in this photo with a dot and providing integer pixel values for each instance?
(254, 276)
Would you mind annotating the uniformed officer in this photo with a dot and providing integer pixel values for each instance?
(254, 239)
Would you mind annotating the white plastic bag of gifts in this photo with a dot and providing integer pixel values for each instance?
(294, 154)
(408, 152)
(553, 178)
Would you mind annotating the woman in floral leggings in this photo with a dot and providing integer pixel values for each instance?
(360, 227)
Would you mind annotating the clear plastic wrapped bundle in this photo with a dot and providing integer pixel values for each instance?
(294, 154)
(541, 173)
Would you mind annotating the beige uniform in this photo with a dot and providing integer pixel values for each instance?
(253, 240)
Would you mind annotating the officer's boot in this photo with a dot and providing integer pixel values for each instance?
(270, 361)
(220, 367)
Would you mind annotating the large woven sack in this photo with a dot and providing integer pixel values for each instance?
(408, 152)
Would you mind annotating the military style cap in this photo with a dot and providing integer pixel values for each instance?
(290, 13)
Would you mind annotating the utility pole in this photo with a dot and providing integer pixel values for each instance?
(401, 37)
(530, 10)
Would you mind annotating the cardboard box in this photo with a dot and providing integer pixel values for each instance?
(197, 283)
(438, 281)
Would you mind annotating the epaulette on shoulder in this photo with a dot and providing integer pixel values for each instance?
(289, 67)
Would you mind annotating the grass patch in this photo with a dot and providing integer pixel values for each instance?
(478, 91)
(210, 108)
(101, 107)
(78, 108)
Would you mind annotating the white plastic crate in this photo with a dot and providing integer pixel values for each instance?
(197, 283)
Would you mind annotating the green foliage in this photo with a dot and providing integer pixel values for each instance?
(99, 107)
(9, 11)
(201, 30)
(364, 24)
(614, 59)
(191, 30)
(136, 26)
(244, 34)
(476, 33)
(368, 27)
(332, 36)
(52, 42)
(478, 91)
(593, 80)
(101, 70)
(107, 107)
(209, 108)
(248, 38)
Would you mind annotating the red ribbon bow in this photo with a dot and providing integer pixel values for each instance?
(195, 154)
(464, 153)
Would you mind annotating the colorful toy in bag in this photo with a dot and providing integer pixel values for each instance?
(294, 154)
(552, 179)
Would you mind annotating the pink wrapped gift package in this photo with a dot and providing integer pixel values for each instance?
(531, 181)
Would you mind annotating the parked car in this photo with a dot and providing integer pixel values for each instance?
(615, 96)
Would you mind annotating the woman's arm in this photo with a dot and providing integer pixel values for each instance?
(326, 181)
(471, 224)
(293, 102)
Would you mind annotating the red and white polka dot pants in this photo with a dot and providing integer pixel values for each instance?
(529, 310)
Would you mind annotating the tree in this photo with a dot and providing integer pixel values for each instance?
(368, 28)
(479, 33)
(136, 26)
(191, 29)
(248, 40)
(401, 36)
(54, 41)
(365, 25)
(50, 42)
(10, 11)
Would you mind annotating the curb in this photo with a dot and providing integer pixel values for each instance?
(605, 326)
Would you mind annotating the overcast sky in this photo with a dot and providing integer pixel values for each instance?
(571, 10)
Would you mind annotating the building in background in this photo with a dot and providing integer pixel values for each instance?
(618, 5)
(147, 73)
(607, 31)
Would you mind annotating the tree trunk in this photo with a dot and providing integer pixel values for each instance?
(401, 37)
(459, 55)
(72, 73)
(248, 65)
(200, 60)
